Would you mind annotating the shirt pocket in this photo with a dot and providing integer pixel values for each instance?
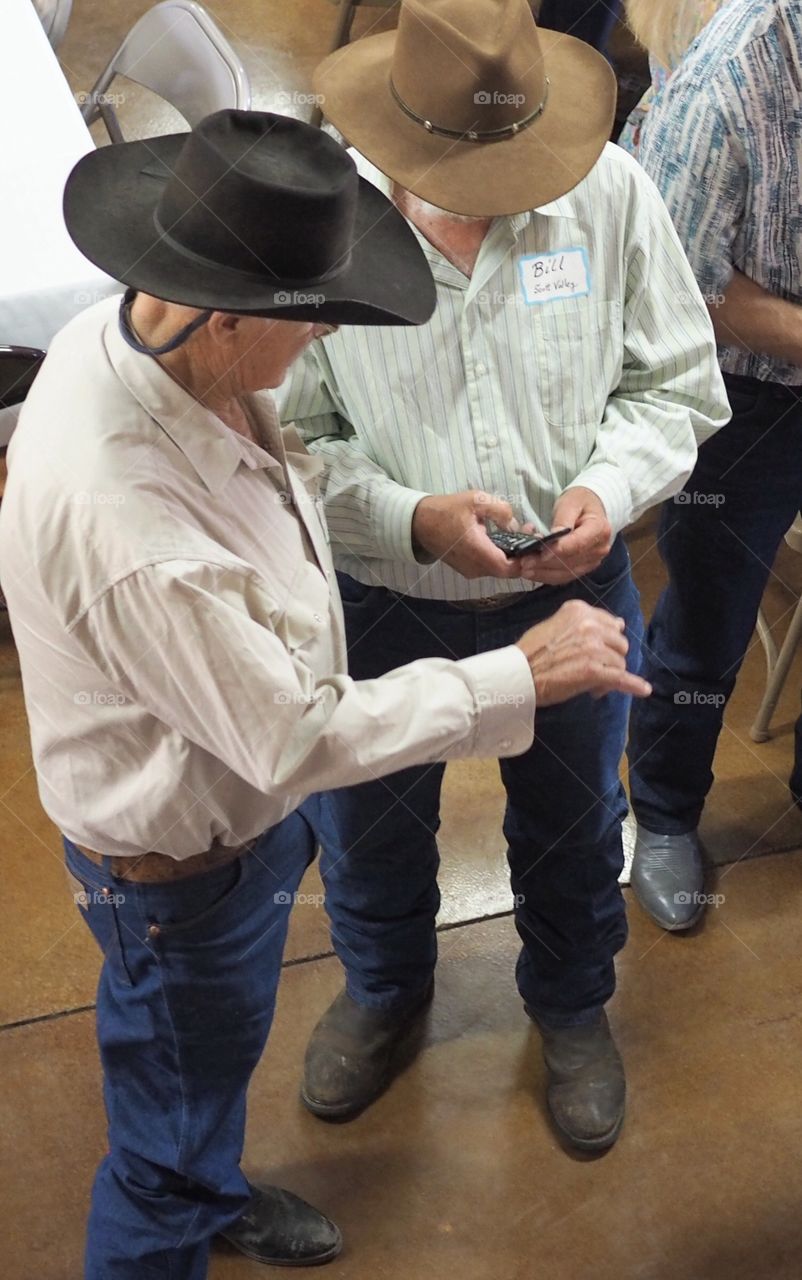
(576, 349)
(307, 612)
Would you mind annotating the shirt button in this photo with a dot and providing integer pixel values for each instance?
(481, 370)
(505, 744)
(318, 617)
(491, 442)
(153, 931)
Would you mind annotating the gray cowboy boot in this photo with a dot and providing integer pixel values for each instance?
(668, 878)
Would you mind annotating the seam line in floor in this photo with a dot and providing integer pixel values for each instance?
(327, 955)
(287, 964)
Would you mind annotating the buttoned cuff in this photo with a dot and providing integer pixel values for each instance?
(393, 507)
(609, 484)
(504, 691)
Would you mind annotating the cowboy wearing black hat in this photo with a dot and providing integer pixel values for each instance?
(181, 642)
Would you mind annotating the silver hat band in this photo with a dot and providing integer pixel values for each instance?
(472, 135)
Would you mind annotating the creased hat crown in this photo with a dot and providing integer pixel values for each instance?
(241, 180)
(474, 67)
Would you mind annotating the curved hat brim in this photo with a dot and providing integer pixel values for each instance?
(109, 202)
(541, 163)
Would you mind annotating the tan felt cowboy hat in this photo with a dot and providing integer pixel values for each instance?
(472, 107)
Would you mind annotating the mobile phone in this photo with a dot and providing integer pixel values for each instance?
(524, 544)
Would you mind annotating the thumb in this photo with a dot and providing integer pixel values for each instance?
(567, 510)
(486, 507)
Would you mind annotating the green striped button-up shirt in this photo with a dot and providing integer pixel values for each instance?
(580, 352)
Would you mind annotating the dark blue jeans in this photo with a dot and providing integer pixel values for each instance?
(565, 805)
(184, 1006)
(588, 20)
(718, 539)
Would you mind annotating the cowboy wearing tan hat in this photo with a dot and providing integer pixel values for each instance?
(568, 370)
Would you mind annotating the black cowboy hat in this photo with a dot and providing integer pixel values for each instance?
(253, 213)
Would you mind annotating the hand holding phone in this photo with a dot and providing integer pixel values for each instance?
(524, 544)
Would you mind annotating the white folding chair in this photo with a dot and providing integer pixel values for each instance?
(18, 368)
(179, 52)
(54, 15)
(778, 662)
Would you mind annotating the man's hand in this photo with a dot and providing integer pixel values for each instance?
(580, 551)
(579, 649)
(451, 527)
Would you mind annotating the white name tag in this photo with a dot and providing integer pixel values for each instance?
(546, 277)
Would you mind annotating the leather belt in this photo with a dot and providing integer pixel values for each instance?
(490, 602)
(149, 868)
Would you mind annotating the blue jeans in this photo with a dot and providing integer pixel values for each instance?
(184, 1006)
(565, 805)
(718, 540)
(588, 20)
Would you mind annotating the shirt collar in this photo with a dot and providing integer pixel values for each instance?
(212, 448)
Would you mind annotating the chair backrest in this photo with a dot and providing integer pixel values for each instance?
(179, 52)
(54, 14)
(18, 368)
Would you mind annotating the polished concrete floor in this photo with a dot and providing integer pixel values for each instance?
(456, 1170)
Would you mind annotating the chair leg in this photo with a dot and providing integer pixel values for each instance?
(767, 640)
(342, 35)
(777, 677)
(109, 118)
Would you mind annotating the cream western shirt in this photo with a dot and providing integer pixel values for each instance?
(580, 352)
(180, 635)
